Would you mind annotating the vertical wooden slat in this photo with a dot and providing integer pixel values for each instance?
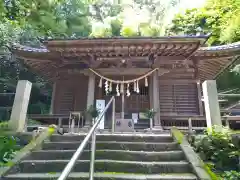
(71, 95)
(200, 97)
(178, 98)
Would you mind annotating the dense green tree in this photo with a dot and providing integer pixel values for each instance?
(221, 19)
(218, 17)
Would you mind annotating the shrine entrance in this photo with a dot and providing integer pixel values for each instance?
(129, 98)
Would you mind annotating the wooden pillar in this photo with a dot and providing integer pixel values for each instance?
(20, 106)
(151, 92)
(90, 95)
(156, 103)
(212, 109)
(53, 99)
(199, 97)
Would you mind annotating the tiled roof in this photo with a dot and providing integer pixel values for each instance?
(42, 49)
(137, 37)
(221, 47)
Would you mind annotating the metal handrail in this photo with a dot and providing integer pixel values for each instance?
(81, 147)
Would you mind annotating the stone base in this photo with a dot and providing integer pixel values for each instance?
(124, 125)
(155, 130)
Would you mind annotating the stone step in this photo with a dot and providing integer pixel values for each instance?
(102, 176)
(47, 166)
(109, 154)
(141, 125)
(116, 137)
(132, 146)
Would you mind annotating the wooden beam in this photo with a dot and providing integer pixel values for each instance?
(176, 81)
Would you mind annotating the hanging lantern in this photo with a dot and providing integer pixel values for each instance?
(146, 82)
(100, 83)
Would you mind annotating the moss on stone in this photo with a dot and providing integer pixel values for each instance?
(210, 172)
(178, 135)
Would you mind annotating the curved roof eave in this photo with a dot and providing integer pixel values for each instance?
(19, 47)
(232, 46)
(213, 49)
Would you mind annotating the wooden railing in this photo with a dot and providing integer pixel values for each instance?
(58, 119)
(182, 122)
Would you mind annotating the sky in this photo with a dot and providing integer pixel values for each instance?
(188, 4)
(131, 17)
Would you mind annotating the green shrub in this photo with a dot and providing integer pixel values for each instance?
(8, 144)
(231, 175)
(33, 122)
(217, 146)
(8, 147)
(4, 126)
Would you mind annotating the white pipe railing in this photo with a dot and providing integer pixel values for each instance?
(80, 149)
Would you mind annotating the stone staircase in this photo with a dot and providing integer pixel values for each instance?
(119, 157)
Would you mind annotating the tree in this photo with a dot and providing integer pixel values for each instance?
(25, 21)
(219, 17)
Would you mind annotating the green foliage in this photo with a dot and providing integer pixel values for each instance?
(26, 21)
(92, 111)
(217, 146)
(4, 126)
(8, 144)
(231, 175)
(208, 169)
(219, 17)
(33, 122)
(149, 30)
(101, 30)
(129, 31)
(8, 147)
(150, 113)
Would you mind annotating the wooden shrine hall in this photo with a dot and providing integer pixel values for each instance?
(163, 73)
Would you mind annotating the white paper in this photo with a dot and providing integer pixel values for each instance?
(135, 117)
(100, 105)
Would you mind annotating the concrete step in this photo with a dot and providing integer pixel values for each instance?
(116, 137)
(141, 125)
(109, 154)
(47, 166)
(102, 176)
(131, 146)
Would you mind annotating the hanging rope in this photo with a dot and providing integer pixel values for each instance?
(123, 82)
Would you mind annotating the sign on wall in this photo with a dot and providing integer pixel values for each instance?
(100, 105)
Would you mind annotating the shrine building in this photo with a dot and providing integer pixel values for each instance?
(162, 73)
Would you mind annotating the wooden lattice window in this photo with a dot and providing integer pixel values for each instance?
(178, 99)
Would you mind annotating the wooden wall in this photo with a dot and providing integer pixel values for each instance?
(71, 94)
(178, 97)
